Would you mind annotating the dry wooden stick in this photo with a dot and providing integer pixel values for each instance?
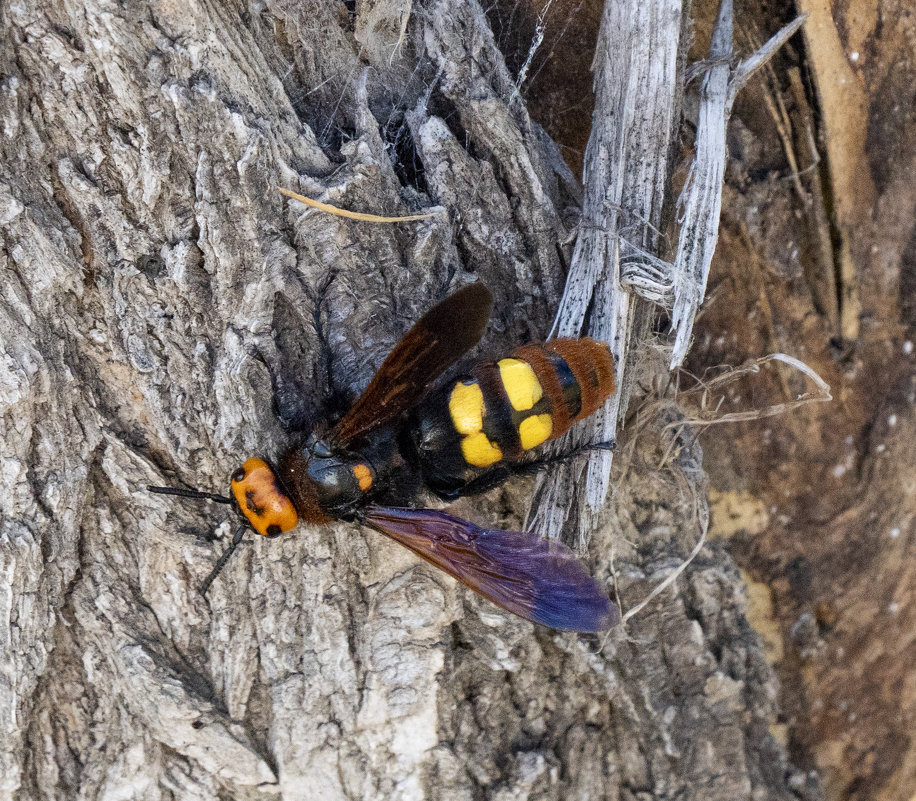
(701, 199)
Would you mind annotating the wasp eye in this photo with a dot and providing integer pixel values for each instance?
(274, 530)
(238, 475)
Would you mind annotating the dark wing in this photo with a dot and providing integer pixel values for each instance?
(534, 578)
(438, 339)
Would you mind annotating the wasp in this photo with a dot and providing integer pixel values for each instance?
(408, 432)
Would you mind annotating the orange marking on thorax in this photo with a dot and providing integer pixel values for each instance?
(363, 475)
(260, 498)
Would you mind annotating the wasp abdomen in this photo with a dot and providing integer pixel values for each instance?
(507, 407)
(577, 376)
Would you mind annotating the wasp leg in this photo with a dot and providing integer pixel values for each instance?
(221, 562)
(494, 478)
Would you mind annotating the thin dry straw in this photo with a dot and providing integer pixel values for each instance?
(779, 408)
(757, 414)
(353, 215)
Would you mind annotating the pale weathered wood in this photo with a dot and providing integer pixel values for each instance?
(166, 313)
(618, 273)
(626, 171)
(701, 200)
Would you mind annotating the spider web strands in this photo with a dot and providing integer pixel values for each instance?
(535, 45)
(616, 280)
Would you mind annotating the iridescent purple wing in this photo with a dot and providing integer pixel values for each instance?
(534, 578)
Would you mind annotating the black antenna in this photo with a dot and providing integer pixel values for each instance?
(185, 493)
(221, 562)
(207, 496)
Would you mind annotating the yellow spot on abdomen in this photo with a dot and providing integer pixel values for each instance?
(534, 430)
(522, 385)
(478, 451)
(466, 406)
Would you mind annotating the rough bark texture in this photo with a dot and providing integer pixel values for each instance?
(165, 314)
(816, 259)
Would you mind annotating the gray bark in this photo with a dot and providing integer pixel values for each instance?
(165, 313)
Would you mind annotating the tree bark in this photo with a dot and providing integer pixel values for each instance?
(165, 314)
